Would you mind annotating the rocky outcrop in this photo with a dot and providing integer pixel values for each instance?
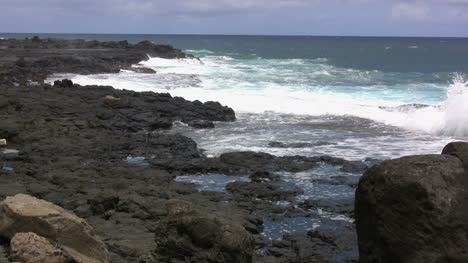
(415, 209)
(34, 59)
(31, 248)
(23, 213)
(192, 235)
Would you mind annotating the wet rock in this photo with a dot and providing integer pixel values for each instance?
(354, 167)
(23, 213)
(31, 248)
(351, 181)
(264, 162)
(196, 236)
(201, 124)
(405, 107)
(413, 209)
(263, 190)
(259, 177)
(459, 150)
(275, 144)
(340, 206)
(142, 70)
(289, 145)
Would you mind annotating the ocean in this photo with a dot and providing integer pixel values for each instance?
(350, 97)
(359, 98)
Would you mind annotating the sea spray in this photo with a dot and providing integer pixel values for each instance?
(455, 122)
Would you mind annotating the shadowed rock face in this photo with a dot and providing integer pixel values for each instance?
(192, 235)
(414, 210)
(35, 59)
(459, 150)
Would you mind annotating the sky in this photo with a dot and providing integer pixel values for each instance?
(441, 18)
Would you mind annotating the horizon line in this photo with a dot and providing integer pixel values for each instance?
(265, 35)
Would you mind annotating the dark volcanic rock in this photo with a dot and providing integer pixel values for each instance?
(414, 209)
(459, 150)
(110, 157)
(34, 59)
(405, 107)
(262, 190)
(201, 124)
(190, 235)
(275, 144)
(73, 144)
(354, 167)
(340, 206)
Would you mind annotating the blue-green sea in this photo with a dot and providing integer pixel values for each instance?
(352, 97)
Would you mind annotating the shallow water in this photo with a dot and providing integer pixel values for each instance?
(211, 182)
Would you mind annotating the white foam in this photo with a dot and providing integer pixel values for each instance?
(454, 117)
(219, 79)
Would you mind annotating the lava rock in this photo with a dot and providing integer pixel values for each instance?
(192, 235)
(354, 167)
(201, 124)
(459, 150)
(413, 209)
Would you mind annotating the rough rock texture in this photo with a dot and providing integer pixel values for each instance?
(190, 235)
(459, 150)
(111, 157)
(34, 59)
(24, 213)
(31, 248)
(414, 210)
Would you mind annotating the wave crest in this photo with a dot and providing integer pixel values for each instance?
(455, 119)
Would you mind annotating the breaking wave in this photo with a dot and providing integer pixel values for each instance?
(305, 87)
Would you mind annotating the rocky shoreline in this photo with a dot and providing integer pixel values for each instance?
(109, 157)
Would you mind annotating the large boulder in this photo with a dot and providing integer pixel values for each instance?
(23, 213)
(413, 210)
(192, 235)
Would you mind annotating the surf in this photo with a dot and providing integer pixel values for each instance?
(299, 86)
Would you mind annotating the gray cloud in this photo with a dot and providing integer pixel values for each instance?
(238, 16)
(216, 7)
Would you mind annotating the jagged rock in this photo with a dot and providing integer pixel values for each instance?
(413, 210)
(191, 235)
(24, 213)
(31, 248)
(35, 59)
(262, 190)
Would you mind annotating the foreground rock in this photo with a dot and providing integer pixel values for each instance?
(23, 213)
(414, 209)
(190, 235)
(31, 248)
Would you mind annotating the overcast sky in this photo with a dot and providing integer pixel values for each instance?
(268, 17)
